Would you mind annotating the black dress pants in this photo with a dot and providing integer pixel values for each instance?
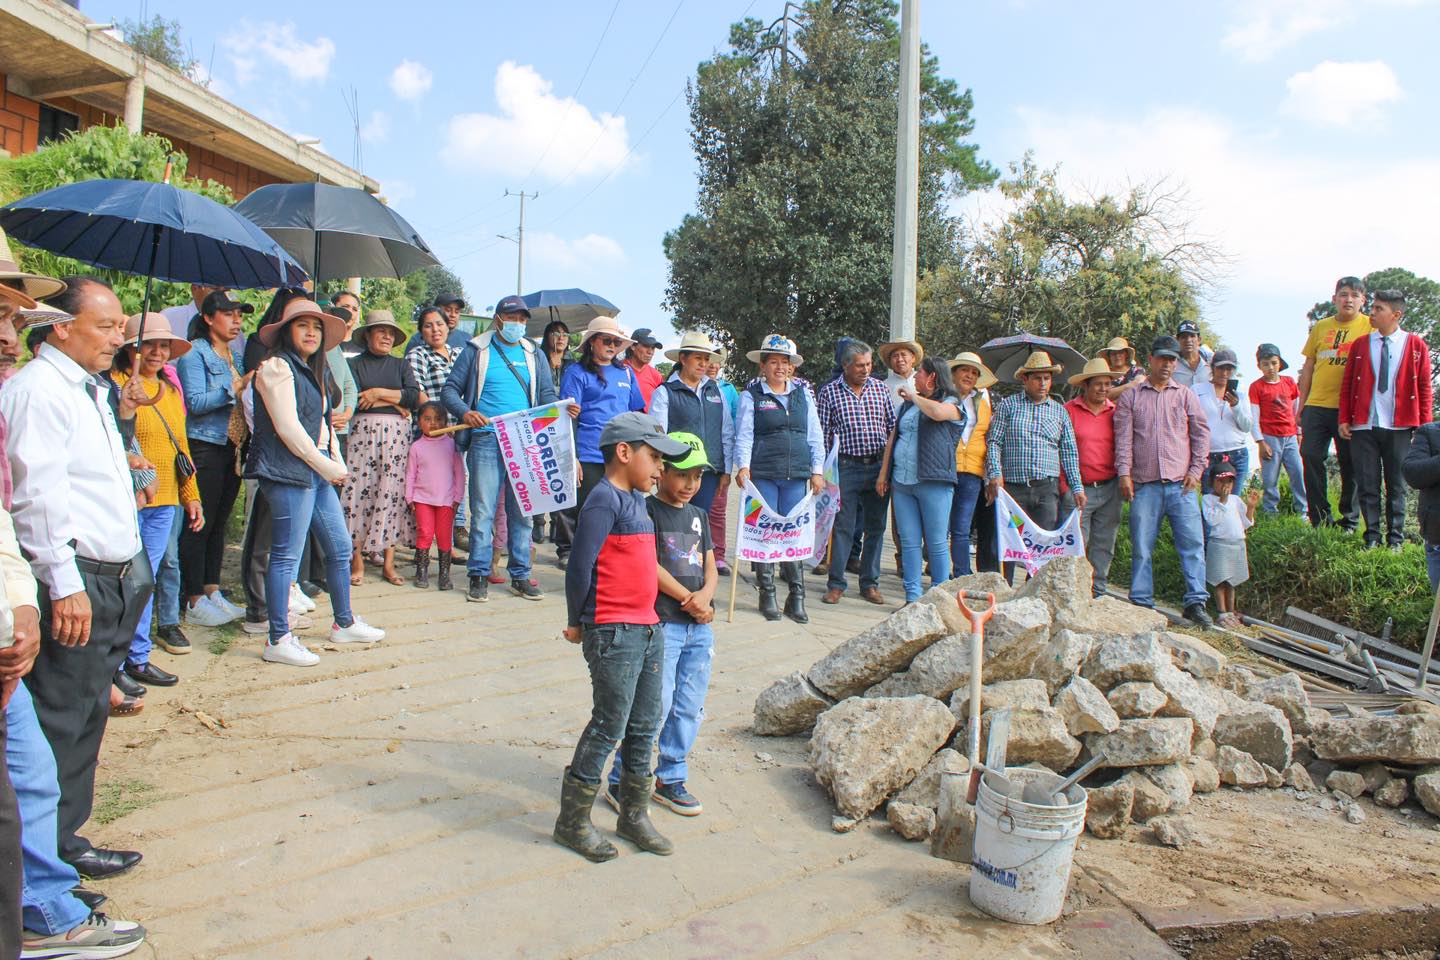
(1319, 426)
(1041, 503)
(255, 555)
(71, 688)
(11, 921)
(590, 475)
(1377, 455)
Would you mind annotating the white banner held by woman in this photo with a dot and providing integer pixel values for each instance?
(1021, 541)
(827, 504)
(537, 447)
(763, 535)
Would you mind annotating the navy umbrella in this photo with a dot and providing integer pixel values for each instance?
(1005, 355)
(573, 307)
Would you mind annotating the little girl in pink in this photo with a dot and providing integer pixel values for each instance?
(434, 484)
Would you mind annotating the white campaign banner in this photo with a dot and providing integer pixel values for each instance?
(765, 536)
(1021, 541)
(827, 504)
(538, 449)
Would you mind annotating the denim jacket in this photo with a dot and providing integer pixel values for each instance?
(205, 379)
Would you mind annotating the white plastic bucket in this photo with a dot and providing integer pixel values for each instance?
(1023, 852)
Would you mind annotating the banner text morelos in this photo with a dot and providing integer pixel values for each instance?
(538, 450)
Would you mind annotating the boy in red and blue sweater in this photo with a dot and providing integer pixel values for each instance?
(610, 587)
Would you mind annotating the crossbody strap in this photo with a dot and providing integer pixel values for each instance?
(529, 388)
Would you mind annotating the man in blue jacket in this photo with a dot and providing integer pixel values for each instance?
(498, 372)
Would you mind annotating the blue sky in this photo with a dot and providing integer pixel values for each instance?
(1302, 134)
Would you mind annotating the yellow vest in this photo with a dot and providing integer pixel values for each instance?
(970, 457)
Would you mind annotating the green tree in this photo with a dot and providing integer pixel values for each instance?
(440, 279)
(160, 40)
(793, 129)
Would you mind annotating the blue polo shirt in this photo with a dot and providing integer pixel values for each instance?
(503, 392)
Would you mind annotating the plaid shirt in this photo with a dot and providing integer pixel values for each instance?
(1031, 441)
(862, 423)
(430, 369)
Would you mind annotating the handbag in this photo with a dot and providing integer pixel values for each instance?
(184, 466)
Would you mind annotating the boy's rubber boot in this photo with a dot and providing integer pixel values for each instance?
(422, 569)
(765, 580)
(635, 824)
(573, 828)
(442, 576)
(794, 576)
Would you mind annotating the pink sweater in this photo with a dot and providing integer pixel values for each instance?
(435, 474)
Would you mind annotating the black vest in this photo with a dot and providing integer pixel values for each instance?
(269, 458)
(703, 415)
(781, 450)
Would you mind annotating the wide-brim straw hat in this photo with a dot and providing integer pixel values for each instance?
(885, 349)
(968, 359)
(776, 343)
(605, 325)
(1095, 367)
(333, 326)
(23, 289)
(157, 327)
(693, 341)
(1038, 362)
(1118, 344)
(375, 320)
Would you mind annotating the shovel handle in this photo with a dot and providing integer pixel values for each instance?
(978, 618)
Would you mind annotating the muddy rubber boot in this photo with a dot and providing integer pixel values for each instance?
(635, 824)
(573, 828)
(794, 576)
(422, 569)
(442, 575)
(765, 580)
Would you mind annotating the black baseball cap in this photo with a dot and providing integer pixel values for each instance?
(1165, 347)
(445, 299)
(636, 427)
(511, 304)
(644, 337)
(1187, 326)
(1270, 350)
(220, 300)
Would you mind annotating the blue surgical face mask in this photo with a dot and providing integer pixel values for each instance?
(512, 332)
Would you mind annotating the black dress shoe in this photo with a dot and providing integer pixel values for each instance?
(310, 588)
(127, 686)
(93, 899)
(97, 863)
(173, 640)
(151, 674)
(1196, 614)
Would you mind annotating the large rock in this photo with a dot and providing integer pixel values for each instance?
(1285, 693)
(1297, 777)
(1064, 584)
(1193, 655)
(1085, 708)
(864, 749)
(1203, 775)
(1136, 698)
(1257, 729)
(1107, 809)
(1427, 791)
(912, 821)
(1143, 743)
(1187, 697)
(1126, 658)
(1238, 768)
(789, 706)
(870, 657)
(924, 790)
(944, 603)
(1394, 793)
(1176, 780)
(1036, 736)
(1151, 800)
(1015, 638)
(1376, 776)
(1108, 618)
(1062, 657)
(1409, 738)
(1236, 679)
(1347, 782)
(987, 582)
(1015, 694)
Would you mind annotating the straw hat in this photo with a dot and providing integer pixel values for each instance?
(775, 343)
(1038, 362)
(1096, 367)
(333, 326)
(968, 359)
(1120, 343)
(374, 320)
(157, 327)
(885, 349)
(23, 288)
(605, 325)
(693, 341)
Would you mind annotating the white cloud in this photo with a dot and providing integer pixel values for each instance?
(411, 80)
(593, 250)
(396, 190)
(535, 126)
(255, 45)
(1337, 94)
(377, 128)
(1262, 28)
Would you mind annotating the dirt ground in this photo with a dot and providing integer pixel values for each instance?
(396, 802)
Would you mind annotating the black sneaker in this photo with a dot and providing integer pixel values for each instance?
(1196, 614)
(479, 590)
(172, 639)
(526, 590)
(677, 798)
(612, 795)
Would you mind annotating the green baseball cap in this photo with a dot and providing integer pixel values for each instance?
(697, 456)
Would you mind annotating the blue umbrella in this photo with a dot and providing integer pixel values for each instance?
(573, 307)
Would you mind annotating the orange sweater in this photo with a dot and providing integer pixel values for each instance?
(156, 446)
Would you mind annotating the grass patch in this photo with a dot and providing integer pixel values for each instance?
(223, 638)
(117, 798)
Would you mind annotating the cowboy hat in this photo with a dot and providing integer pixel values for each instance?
(29, 286)
(374, 320)
(693, 341)
(968, 359)
(333, 326)
(1095, 367)
(885, 349)
(1038, 362)
(605, 325)
(157, 327)
(775, 343)
(1118, 344)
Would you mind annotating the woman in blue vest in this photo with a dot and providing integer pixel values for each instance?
(295, 455)
(688, 401)
(778, 448)
(919, 469)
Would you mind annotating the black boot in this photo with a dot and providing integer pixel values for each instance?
(442, 577)
(765, 580)
(794, 577)
(573, 828)
(635, 824)
(422, 568)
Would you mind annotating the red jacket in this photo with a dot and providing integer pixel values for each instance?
(1412, 384)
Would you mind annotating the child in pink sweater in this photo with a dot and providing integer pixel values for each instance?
(434, 484)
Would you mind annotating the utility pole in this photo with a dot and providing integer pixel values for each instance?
(907, 178)
(519, 238)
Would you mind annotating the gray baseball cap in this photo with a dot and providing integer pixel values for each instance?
(636, 427)
(1224, 357)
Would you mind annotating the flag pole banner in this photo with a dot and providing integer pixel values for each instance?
(764, 535)
(827, 504)
(1021, 541)
(537, 447)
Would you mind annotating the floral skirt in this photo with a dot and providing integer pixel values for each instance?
(374, 497)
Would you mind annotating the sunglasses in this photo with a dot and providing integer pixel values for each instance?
(609, 341)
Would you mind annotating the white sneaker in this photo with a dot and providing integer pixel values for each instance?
(223, 602)
(298, 621)
(289, 651)
(298, 599)
(204, 613)
(357, 632)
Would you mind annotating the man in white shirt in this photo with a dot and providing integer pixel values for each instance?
(74, 512)
(900, 357)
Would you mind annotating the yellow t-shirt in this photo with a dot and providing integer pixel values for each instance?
(1329, 346)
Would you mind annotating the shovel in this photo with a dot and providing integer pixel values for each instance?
(1046, 797)
(978, 619)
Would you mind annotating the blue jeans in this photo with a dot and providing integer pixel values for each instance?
(684, 680)
(487, 479)
(962, 518)
(1284, 451)
(167, 580)
(1432, 564)
(49, 905)
(1154, 502)
(862, 511)
(782, 495)
(157, 526)
(1241, 461)
(296, 512)
(625, 661)
(922, 511)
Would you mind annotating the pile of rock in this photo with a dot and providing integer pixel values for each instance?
(887, 711)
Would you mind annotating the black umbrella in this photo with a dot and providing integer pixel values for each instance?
(1005, 355)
